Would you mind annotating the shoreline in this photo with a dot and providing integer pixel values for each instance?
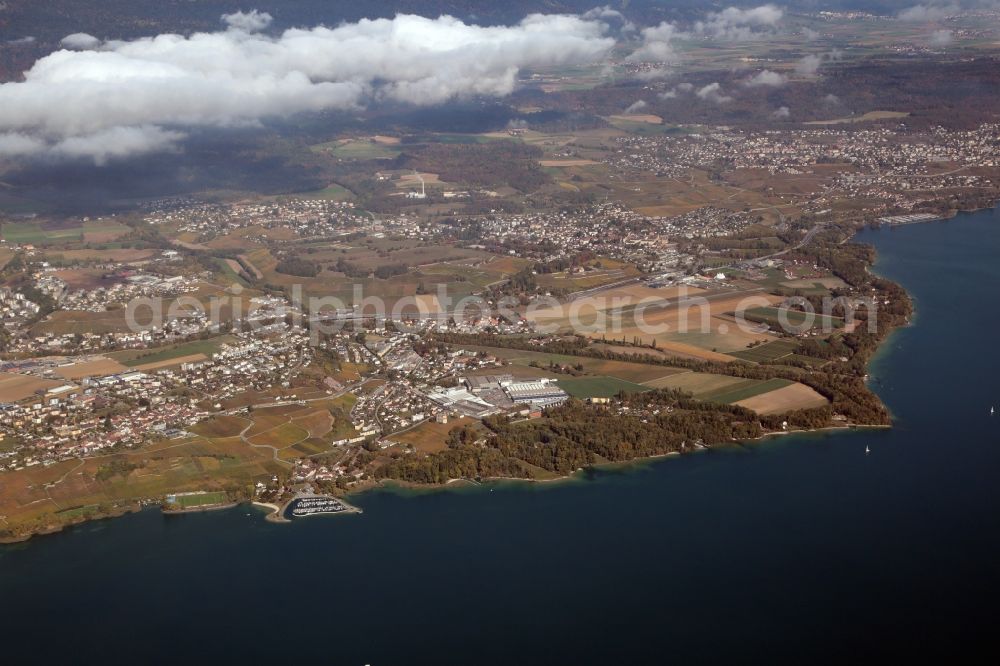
(611, 464)
(277, 513)
(199, 509)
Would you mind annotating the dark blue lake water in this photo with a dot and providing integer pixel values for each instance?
(800, 549)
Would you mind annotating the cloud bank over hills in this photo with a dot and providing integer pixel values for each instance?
(106, 99)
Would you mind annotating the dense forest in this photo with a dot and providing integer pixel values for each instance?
(491, 164)
(576, 435)
(294, 265)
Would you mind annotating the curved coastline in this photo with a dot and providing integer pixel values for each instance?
(277, 514)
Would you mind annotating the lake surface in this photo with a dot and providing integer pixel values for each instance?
(799, 549)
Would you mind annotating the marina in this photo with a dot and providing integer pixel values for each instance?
(317, 505)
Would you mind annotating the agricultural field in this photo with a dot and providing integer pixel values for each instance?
(124, 255)
(281, 436)
(430, 436)
(67, 490)
(288, 431)
(38, 233)
(462, 271)
(770, 351)
(221, 426)
(115, 319)
(174, 354)
(697, 324)
(332, 192)
(359, 149)
(602, 272)
(62, 322)
(647, 118)
(14, 387)
(784, 399)
(695, 383)
(556, 163)
(746, 388)
(796, 319)
(613, 299)
(815, 286)
(871, 115)
(638, 373)
(599, 387)
(763, 396)
(86, 278)
(689, 321)
(5, 256)
(94, 367)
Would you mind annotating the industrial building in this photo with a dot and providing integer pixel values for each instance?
(540, 393)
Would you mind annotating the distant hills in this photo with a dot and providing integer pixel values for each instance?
(50, 20)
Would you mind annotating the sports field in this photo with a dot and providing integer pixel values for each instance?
(200, 499)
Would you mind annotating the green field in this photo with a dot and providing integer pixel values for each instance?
(357, 150)
(136, 357)
(809, 360)
(445, 137)
(226, 271)
(767, 352)
(598, 387)
(78, 511)
(201, 499)
(34, 233)
(333, 192)
(745, 389)
(795, 318)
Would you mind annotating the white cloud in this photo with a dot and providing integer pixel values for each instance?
(654, 74)
(117, 142)
(80, 41)
(766, 78)
(676, 91)
(713, 93)
(636, 106)
(928, 12)
(252, 21)
(731, 24)
(781, 112)
(735, 24)
(656, 44)
(17, 145)
(22, 41)
(606, 13)
(941, 38)
(154, 86)
(809, 65)
(100, 147)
